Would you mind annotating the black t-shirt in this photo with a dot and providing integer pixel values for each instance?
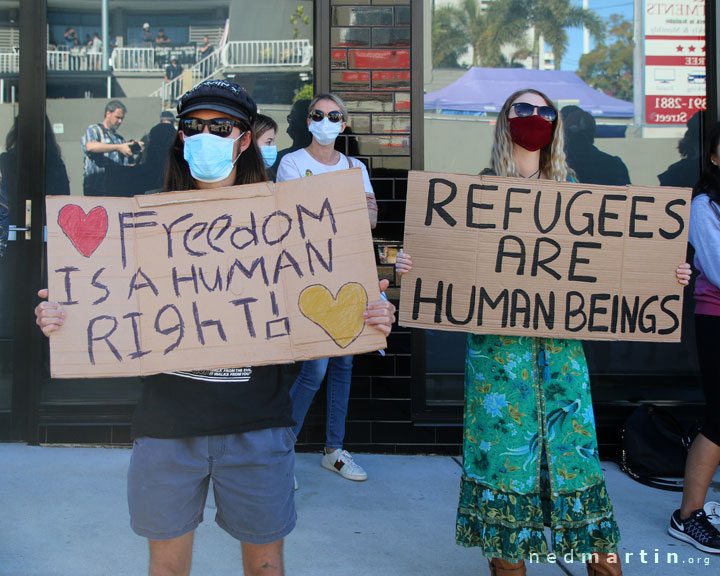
(213, 402)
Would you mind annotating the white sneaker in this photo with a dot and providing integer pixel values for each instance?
(341, 462)
(712, 511)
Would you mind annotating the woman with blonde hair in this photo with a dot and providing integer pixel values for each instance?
(529, 444)
(327, 118)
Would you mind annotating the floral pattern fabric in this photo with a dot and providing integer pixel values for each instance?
(530, 452)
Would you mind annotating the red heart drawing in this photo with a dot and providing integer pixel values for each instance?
(85, 231)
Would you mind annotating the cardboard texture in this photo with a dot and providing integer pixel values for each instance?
(540, 258)
(241, 276)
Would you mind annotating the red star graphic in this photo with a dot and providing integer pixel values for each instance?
(703, 48)
(692, 48)
(679, 48)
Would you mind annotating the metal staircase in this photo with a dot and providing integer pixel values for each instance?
(254, 54)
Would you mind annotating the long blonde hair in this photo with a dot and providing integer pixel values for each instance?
(552, 157)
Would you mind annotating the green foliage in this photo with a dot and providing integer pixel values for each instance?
(504, 24)
(305, 93)
(299, 17)
(609, 67)
(449, 37)
(552, 18)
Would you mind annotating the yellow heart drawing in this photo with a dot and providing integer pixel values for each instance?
(339, 316)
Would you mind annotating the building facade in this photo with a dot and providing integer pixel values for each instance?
(376, 54)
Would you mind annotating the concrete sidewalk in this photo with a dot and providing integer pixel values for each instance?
(63, 512)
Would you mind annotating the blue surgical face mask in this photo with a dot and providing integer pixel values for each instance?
(209, 157)
(325, 131)
(269, 154)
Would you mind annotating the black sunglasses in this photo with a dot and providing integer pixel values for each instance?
(318, 115)
(218, 126)
(524, 109)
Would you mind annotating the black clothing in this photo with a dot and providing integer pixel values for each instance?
(592, 166)
(212, 402)
(707, 335)
(682, 174)
(173, 71)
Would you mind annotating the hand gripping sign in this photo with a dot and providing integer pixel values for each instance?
(241, 276)
(541, 258)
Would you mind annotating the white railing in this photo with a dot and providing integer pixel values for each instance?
(134, 60)
(169, 91)
(57, 60)
(207, 67)
(73, 61)
(254, 53)
(9, 63)
(271, 53)
(203, 70)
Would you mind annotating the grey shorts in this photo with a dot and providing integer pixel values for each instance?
(252, 476)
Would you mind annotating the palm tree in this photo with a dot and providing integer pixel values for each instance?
(503, 23)
(552, 18)
(449, 37)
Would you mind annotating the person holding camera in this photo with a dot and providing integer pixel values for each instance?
(104, 147)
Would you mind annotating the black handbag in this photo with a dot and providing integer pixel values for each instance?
(654, 448)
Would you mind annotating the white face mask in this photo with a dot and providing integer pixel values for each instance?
(325, 131)
(269, 154)
(209, 157)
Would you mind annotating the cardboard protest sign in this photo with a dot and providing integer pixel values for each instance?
(241, 276)
(540, 258)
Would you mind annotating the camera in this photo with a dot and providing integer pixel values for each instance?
(135, 147)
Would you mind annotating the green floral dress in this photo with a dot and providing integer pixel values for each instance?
(530, 452)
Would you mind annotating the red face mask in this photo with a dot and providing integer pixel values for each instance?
(530, 132)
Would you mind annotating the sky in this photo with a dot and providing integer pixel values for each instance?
(604, 8)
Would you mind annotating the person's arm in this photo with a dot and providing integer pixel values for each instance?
(403, 263)
(50, 316)
(369, 193)
(102, 147)
(372, 209)
(92, 141)
(705, 237)
(381, 313)
(683, 273)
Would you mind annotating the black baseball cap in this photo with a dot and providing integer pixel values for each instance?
(167, 115)
(219, 95)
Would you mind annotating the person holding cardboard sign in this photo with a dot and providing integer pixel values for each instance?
(327, 118)
(231, 425)
(690, 522)
(530, 452)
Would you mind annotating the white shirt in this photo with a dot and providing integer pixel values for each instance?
(299, 164)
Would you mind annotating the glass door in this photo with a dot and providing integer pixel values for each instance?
(135, 62)
(11, 208)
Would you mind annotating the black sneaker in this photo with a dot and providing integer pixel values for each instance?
(696, 530)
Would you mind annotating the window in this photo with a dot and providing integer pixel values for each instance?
(619, 129)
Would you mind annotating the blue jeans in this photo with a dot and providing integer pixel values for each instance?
(302, 392)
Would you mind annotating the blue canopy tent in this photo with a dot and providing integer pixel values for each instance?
(484, 90)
